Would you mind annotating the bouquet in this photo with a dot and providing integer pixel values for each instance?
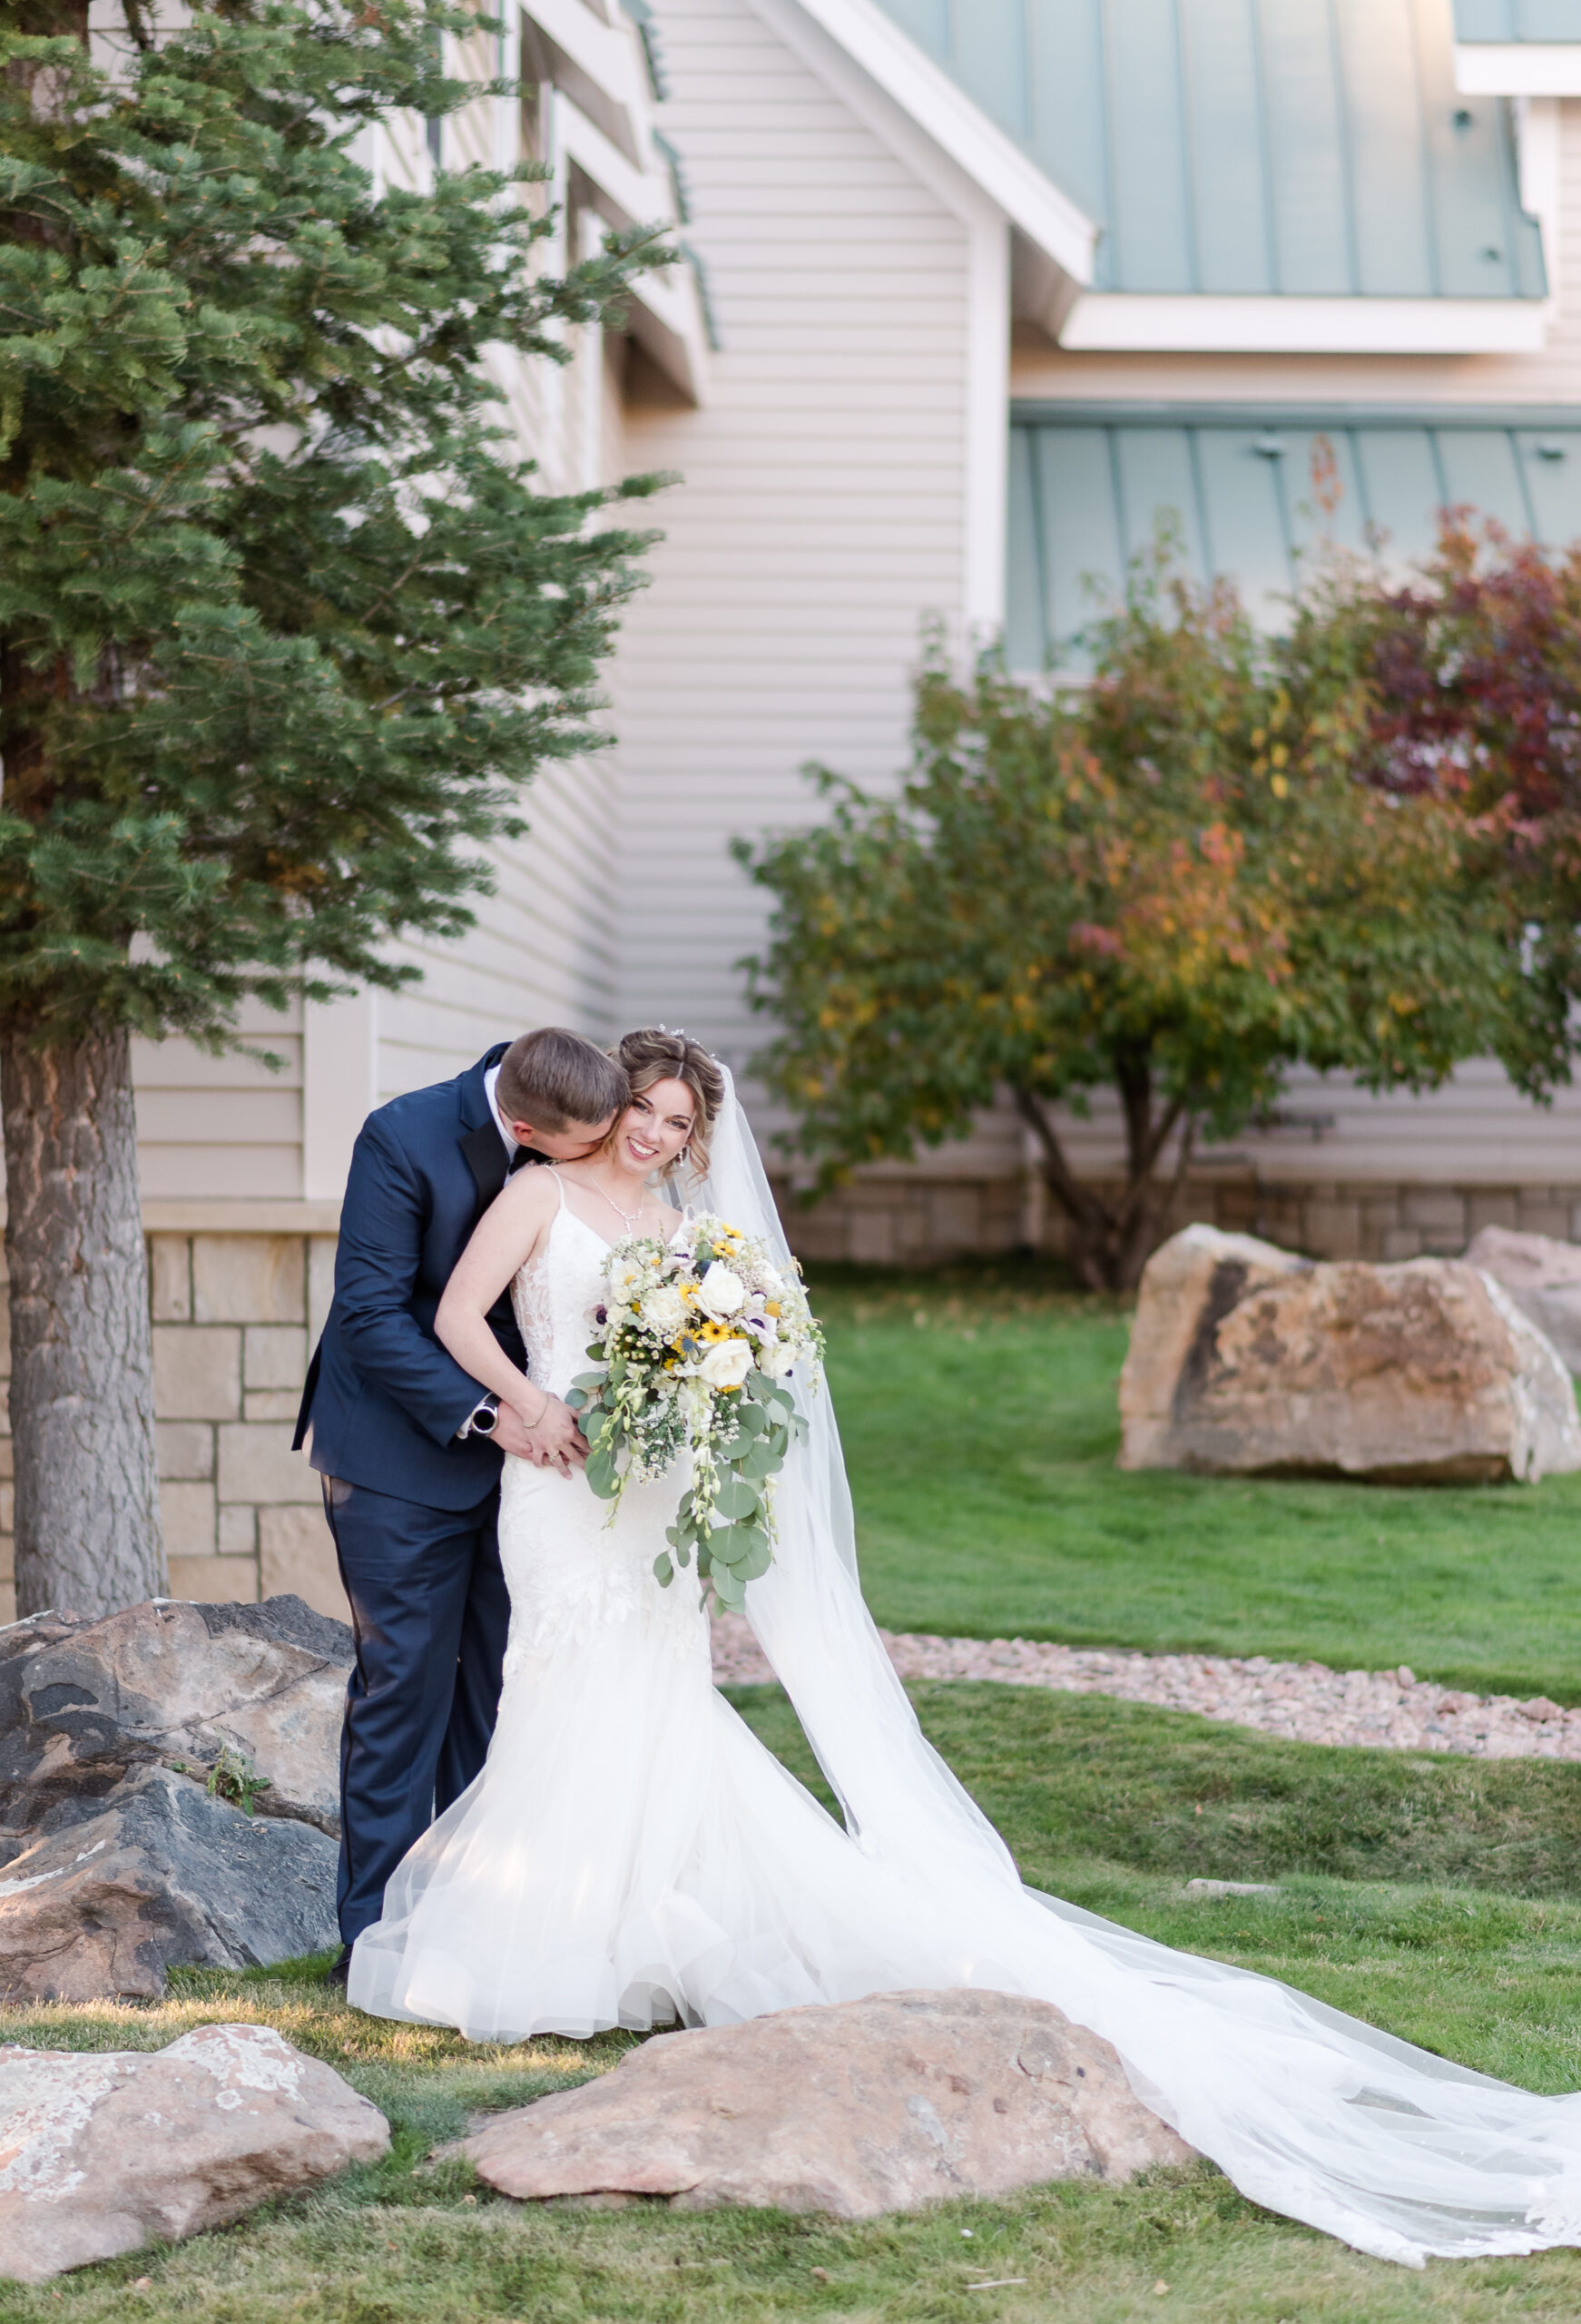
(696, 1339)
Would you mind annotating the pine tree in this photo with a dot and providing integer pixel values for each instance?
(284, 624)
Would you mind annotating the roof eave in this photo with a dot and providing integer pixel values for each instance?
(1142, 322)
(1032, 202)
(1519, 68)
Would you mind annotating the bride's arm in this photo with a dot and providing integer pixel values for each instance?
(503, 1239)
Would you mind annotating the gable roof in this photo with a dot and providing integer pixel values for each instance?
(1256, 148)
(1248, 492)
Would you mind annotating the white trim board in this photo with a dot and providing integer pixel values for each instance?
(1519, 68)
(961, 129)
(1140, 323)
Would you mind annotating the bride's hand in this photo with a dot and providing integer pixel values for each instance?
(512, 1436)
(556, 1441)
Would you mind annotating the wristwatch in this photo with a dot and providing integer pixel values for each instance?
(482, 1419)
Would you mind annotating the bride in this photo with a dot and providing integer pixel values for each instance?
(631, 1856)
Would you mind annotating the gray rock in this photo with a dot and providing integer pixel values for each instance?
(885, 2105)
(82, 1702)
(102, 2152)
(121, 1886)
(1544, 1279)
(1245, 1359)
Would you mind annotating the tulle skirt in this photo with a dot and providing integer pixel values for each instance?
(633, 1856)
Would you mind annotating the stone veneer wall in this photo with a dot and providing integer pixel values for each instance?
(917, 1221)
(234, 1315)
(233, 1318)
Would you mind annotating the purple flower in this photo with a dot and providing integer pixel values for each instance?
(601, 1314)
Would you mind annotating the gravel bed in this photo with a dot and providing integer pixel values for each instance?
(1387, 1710)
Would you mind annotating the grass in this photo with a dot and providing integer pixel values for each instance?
(1099, 1800)
(978, 1414)
(1437, 1897)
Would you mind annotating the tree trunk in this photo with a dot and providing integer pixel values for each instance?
(1114, 1240)
(82, 1363)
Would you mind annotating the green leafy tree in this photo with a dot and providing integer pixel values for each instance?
(1170, 885)
(284, 624)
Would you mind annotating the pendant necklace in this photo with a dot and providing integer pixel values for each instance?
(629, 1216)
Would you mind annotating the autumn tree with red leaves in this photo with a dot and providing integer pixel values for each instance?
(1174, 883)
(1473, 680)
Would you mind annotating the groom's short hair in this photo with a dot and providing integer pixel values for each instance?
(553, 1078)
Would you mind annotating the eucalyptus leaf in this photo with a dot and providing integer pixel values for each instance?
(663, 1569)
(758, 1561)
(731, 1544)
(601, 1476)
(737, 1498)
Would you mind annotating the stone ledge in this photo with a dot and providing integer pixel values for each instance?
(182, 1216)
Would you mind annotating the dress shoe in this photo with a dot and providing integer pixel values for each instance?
(340, 1969)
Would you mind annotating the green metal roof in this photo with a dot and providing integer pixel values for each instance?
(1243, 146)
(1247, 490)
(1517, 20)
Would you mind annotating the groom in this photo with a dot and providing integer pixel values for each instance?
(409, 1447)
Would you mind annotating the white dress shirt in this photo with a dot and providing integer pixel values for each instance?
(490, 1081)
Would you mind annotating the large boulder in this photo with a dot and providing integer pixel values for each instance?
(880, 2105)
(117, 1889)
(104, 2151)
(1247, 1359)
(165, 1684)
(1544, 1279)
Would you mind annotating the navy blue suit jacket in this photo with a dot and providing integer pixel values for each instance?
(383, 1398)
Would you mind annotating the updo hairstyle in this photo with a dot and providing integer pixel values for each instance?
(652, 1055)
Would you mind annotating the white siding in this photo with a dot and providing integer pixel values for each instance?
(820, 514)
(225, 1127)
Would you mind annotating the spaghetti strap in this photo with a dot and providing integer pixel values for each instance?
(560, 1183)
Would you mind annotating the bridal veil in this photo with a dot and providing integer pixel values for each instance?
(1315, 2115)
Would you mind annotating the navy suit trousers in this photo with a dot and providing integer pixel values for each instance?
(429, 1613)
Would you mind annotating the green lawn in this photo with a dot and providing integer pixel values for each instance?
(1099, 1800)
(1437, 1897)
(979, 1424)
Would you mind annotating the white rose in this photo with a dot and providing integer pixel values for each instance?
(771, 1282)
(777, 1360)
(665, 1309)
(727, 1363)
(722, 1293)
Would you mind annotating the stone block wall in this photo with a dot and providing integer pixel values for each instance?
(235, 1316)
(917, 1221)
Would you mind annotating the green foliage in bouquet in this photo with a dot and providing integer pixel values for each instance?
(727, 1514)
(692, 1340)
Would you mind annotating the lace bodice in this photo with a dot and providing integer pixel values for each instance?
(554, 1296)
(571, 1572)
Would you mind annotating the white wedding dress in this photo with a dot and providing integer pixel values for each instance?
(633, 1856)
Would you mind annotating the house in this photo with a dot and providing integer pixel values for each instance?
(971, 293)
